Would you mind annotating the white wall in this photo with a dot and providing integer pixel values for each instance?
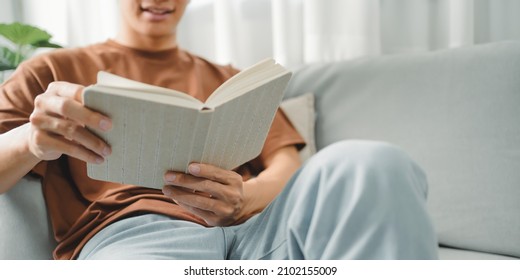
(73, 22)
(49, 15)
(6, 11)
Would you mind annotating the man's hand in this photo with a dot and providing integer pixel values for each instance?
(214, 194)
(58, 126)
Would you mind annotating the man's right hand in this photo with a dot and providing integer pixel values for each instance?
(58, 125)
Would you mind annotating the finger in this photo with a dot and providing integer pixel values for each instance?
(72, 109)
(72, 131)
(207, 216)
(65, 89)
(214, 173)
(218, 212)
(82, 114)
(81, 153)
(51, 143)
(192, 199)
(200, 185)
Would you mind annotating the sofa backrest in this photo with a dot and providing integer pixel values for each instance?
(456, 112)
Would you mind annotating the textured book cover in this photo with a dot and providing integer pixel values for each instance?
(153, 133)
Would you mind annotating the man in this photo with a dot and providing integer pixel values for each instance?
(337, 206)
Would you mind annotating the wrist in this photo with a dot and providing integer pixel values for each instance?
(22, 147)
(16, 159)
(251, 202)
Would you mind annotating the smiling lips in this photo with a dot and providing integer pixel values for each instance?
(156, 13)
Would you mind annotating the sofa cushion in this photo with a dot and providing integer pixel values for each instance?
(300, 112)
(457, 254)
(455, 111)
(25, 232)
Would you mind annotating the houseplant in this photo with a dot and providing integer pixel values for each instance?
(22, 41)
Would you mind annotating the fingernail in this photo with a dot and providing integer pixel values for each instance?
(167, 191)
(99, 160)
(106, 151)
(170, 177)
(194, 169)
(104, 125)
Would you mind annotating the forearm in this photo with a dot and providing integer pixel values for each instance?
(261, 190)
(16, 160)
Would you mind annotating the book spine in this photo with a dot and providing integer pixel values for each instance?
(201, 129)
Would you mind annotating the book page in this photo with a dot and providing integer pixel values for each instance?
(139, 95)
(261, 71)
(239, 127)
(114, 81)
(246, 85)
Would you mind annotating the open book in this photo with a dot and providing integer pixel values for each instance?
(157, 129)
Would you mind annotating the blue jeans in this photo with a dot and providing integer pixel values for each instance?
(352, 200)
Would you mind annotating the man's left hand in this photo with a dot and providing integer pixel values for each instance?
(214, 194)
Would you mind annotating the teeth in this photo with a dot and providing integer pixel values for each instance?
(156, 10)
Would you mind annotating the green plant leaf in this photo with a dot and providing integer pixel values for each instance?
(46, 44)
(23, 34)
(7, 59)
(4, 67)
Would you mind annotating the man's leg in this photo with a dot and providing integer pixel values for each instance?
(352, 200)
(152, 236)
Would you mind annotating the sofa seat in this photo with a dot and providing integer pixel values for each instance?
(446, 253)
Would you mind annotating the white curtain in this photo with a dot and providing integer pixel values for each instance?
(294, 32)
(71, 22)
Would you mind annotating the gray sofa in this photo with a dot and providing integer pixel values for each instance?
(456, 112)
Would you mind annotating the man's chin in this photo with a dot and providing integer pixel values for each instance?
(158, 33)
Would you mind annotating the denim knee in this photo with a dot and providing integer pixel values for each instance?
(386, 158)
